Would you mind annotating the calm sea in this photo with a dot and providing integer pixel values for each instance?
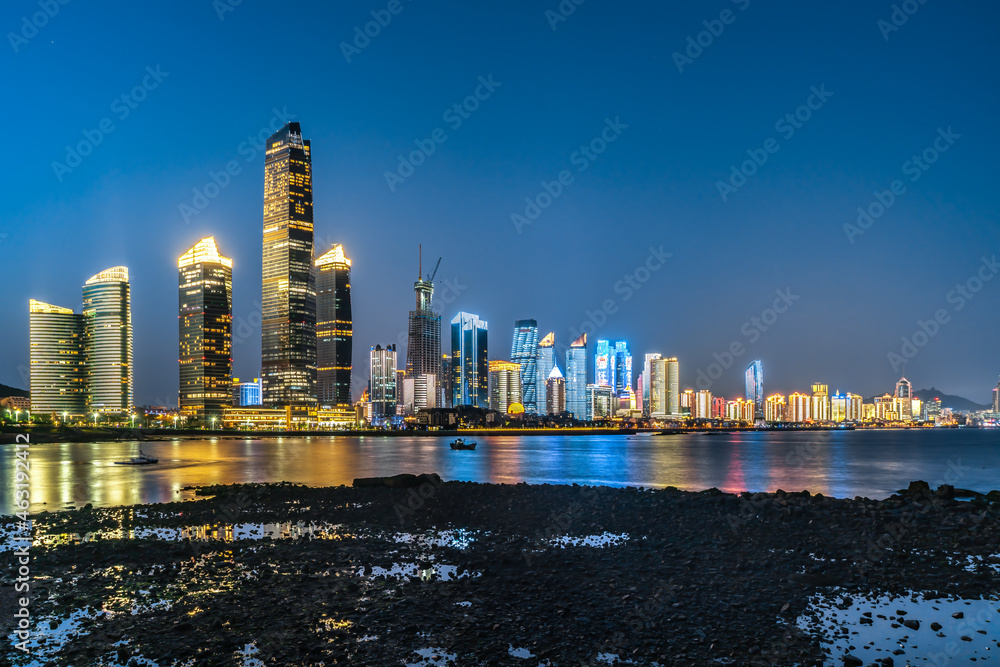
(836, 463)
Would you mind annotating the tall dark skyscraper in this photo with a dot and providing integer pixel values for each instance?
(469, 363)
(205, 321)
(334, 329)
(107, 317)
(288, 300)
(755, 387)
(423, 343)
(524, 351)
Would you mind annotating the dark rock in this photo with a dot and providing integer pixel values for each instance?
(912, 624)
(399, 481)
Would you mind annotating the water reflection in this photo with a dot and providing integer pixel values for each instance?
(839, 463)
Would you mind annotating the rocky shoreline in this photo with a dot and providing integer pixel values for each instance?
(433, 573)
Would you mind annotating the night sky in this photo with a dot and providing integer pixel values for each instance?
(879, 97)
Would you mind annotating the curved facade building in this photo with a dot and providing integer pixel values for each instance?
(524, 351)
(58, 374)
(107, 315)
(334, 329)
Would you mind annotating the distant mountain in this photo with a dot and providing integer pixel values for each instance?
(6, 391)
(956, 403)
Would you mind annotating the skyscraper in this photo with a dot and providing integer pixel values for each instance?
(524, 351)
(664, 392)
(646, 377)
(599, 402)
(820, 408)
(334, 329)
(775, 408)
(205, 328)
(107, 315)
(996, 398)
(755, 387)
(555, 392)
(288, 300)
(505, 385)
(576, 378)
(621, 366)
(904, 399)
(58, 374)
(604, 370)
(423, 343)
(470, 368)
(383, 383)
(546, 362)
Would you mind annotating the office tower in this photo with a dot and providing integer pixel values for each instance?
(419, 392)
(820, 408)
(107, 321)
(603, 364)
(423, 342)
(702, 407)
(599, 402)
(747, 410)
(687, 403)
(246, 394)
(546, 362)
(718, 408)
(933, 407)
(755, 387)
(205, 322)
(576, 378)
(555, 392)
(647, 371)
(334, 329)
(775, 409)
(524, 351)
(288, 295)
(444, 383)
(382, 385)
(470, 368)
(639, 405)
(855, 407)
(885, 408)
(621, 367)
(799, 407)
(996, 398)
(838, 407)
(58, 375)
(904, 399)
(505, 385)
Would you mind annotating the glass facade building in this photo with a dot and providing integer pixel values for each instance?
(576, 378)
(604, 372)
(622, 369)
(334, 329)
(383, 384)
(546, 362)
(423, 343)
(755, 387)
(469, 364)
(647, 370)
(505, 385)
(524, 351)
(205, 330)
(246, 394)
(58, 374)
(107, 316)
(288, 292)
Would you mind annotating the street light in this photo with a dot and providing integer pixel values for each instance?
(17, 416)
(133, 421)
(213, 423)
(95, 420)
(64, 418)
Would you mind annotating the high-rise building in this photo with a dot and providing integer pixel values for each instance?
(423, 342)
(664, 391)
(555, 392)
(603, 365)
(855, 407)
(799, 407)
(687, 403)
(755, 387)
(419, 392)
(246, 394)
(904, 399)
(546, 362)
(820, 408)
(576, 378)
(646, 378)
(470, 367)
(505, 385)
(885, 408)
(718, 408)
(383, 383)
(288, 298)
(599, 402)
(334, 329)
(932, 408)
(838, 407)
(996, 398)
(775, 409)
(107, 316)
(622, 369)
(58, 374)
(444, 383)
(702, 407)
(524, 351)
(205, 320)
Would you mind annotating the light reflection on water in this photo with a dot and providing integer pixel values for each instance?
(837, 463)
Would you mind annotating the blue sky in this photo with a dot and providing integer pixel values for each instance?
(219, 82)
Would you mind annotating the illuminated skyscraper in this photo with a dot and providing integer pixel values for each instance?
(246, 394)
(799, 407)
(334, 329)
(622, 369)
(505, 385)
(382, 388)
(664, 392)
(775, 409)
(604, 370)
(838, 407)
(755, 387)
(107, 316)
(469, 365)
(546, 362)
(555, 392)
(646, 378)
(205, 321)
(996, 398)
(58, 374)
(855, 407)
(820, 408)
(524, 351)
(423, 342)
(702, 407)
(288, 301)
(576, 378)
(904, 399)
(599, 402)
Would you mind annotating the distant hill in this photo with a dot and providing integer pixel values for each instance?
(6, 391)
(956, 403)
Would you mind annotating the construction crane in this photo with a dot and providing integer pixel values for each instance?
(433, 273)
(420, 269)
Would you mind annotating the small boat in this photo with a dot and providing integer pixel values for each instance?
(142, 460)
(461, 444)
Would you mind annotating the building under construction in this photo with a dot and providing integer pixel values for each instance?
(423, 345)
